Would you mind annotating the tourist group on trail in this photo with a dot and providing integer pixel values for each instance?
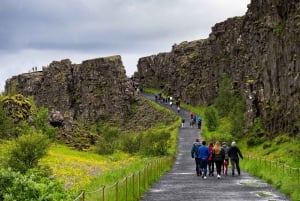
(215, 156)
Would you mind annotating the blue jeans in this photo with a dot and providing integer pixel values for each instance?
(203, 166)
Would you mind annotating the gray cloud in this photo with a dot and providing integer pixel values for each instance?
(77, 28)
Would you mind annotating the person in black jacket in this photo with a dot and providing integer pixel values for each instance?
(218, 157)
(234, 153)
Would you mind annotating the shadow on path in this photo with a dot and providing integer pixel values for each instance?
(182, 184)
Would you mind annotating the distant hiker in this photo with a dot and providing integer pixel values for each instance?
(182, 123)
(210, 160)
(178, 109)
(203, 154)
(234, 153)
(218, 157)
(192, 114)
(199, 122)
(171, 101)
(226, 159)
(194, 154)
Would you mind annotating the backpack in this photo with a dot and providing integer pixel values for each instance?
(226, 149)
(195, 149)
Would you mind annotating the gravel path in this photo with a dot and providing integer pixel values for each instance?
(181, 182)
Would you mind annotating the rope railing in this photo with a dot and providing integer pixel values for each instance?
(277, 166)
(132, 186)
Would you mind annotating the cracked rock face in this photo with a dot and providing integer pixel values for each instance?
(260, 53)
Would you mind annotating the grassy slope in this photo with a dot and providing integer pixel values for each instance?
(89, 171)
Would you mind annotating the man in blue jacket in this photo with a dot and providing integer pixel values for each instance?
(203, 154)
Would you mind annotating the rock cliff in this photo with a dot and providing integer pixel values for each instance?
(93, 90)
(260, 53)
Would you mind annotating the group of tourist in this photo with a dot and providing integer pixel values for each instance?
(215, 155)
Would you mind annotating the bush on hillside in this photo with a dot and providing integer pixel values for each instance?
(224, 101)
(41, 122)
(155, 143)
(131, 143)
(32, 186)
(27, 151)
(108, 141)
(211, 118)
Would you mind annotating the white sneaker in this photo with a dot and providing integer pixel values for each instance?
(218, 176)
(204, 177)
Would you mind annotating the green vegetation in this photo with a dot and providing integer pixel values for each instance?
(31, 158)
(279, 29)
(276, 159)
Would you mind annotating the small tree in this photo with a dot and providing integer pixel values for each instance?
(211, 118)
(27, 151)
(223, 102)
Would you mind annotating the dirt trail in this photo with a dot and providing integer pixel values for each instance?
(182, 184)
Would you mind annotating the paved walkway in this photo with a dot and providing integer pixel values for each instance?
(182, 184)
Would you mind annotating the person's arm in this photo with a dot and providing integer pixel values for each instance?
(240, 153)
(192, 151)
(229, 152)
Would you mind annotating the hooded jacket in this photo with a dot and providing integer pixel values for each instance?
(234, 153)
(194, 151)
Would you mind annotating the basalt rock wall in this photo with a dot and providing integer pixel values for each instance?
(93, 90)
(260, 53)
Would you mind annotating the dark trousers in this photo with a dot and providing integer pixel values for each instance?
(219, 166)
(198, 171)
(211, 168)
(203, 166)
(235, 164)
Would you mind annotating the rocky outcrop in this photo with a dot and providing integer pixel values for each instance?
(260, 52)
(91, 91)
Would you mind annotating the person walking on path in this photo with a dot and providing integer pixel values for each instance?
(210, 160)
(194, 154)
(226, 159)
(234, 153)
(203, 153)
(218, 157)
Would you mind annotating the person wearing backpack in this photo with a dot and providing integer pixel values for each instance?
(226, 159)
(194, 154)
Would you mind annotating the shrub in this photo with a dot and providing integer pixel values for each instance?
(6, 124)
(212, 118)
(27, 151)
(32, 186)
(155, 143)
(108, 142)
(237, 116)
(223, 102)
(41, 122)
(131, 143)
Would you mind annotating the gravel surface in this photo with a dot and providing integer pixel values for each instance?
(181, 182)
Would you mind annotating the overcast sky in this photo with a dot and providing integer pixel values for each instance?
(36, 32)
